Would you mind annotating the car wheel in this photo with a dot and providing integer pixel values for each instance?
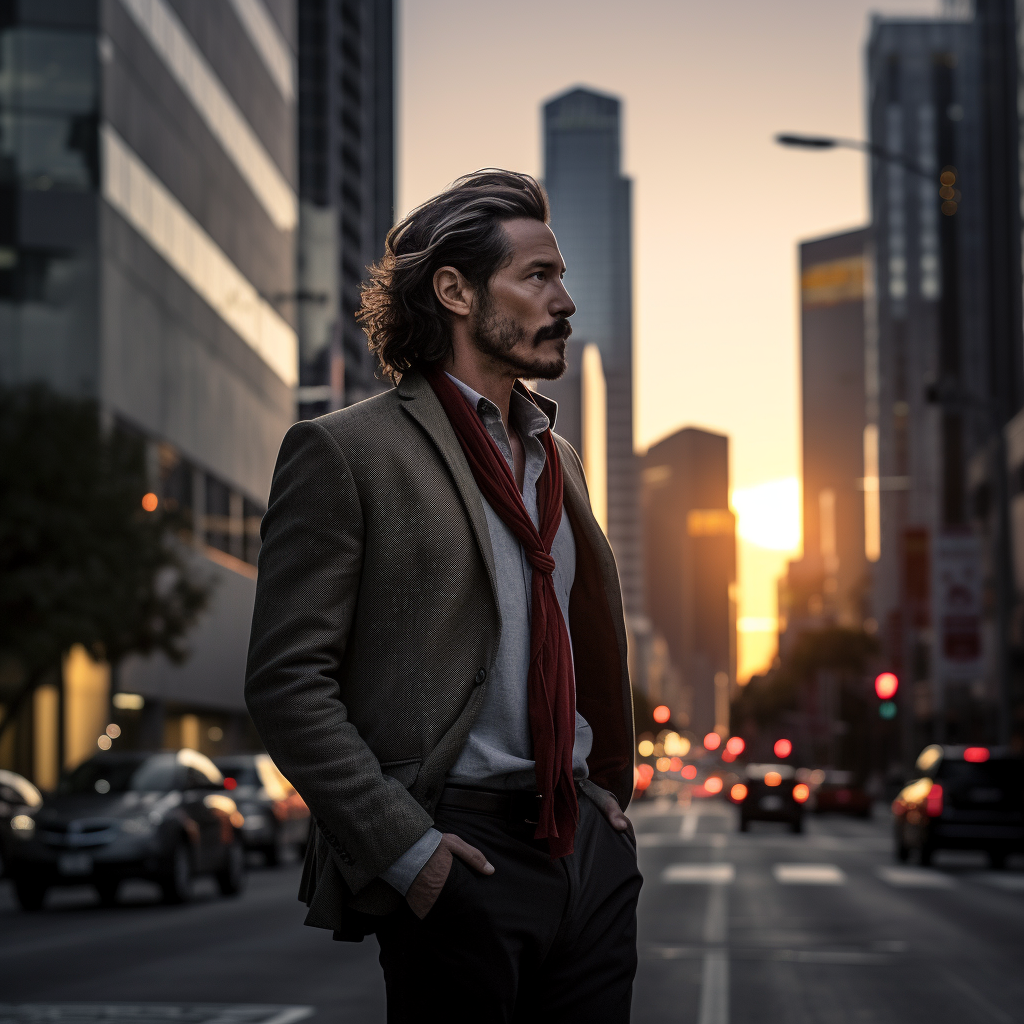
(108, 892)
(276, 853)
(925, 856)
(231, 877)
(997, 859)
(797, 826)
(176, 884)
(30, 895)
(902, 852)
(744, 825)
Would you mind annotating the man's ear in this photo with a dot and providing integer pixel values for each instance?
(453, 291)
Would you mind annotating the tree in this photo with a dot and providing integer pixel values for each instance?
(81, 560)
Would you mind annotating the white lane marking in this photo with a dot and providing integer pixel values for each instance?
(699, 874)
(1009, 883)
(915, 878)
(808, 874)
(714, 989)
(688, 827)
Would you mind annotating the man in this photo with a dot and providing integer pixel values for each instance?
(438, 652)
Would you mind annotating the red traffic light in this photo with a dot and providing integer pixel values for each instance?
(886, 685)
(783, 748)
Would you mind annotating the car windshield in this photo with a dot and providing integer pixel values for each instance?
(145, 773)
(1005, 774)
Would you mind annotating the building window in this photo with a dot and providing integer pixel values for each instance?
(218, 514)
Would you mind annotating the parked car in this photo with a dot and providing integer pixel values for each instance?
(164, 817)
(276, 817)
(964, 798)
(839, 792)
(771, 792)
(17, 796)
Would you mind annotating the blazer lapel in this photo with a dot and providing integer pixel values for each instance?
(420, 402)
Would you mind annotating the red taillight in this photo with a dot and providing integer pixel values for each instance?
(801, 792)
(976, 754)
(230, 783)
(933, 803)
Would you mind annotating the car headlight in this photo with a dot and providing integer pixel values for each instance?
(23, 826)
(254, 821)
(141, 826)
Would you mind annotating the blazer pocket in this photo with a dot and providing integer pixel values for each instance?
(404, 772)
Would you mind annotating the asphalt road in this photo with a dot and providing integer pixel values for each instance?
(761, 927)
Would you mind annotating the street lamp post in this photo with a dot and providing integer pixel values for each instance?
(949, 397)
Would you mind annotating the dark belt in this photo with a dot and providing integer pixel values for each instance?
(518, 808)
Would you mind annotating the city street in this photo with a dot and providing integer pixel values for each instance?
(762, 927)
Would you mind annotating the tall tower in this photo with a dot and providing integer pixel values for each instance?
(591, 218)
(346, 189)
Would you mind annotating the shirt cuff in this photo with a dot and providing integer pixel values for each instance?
(403, 872)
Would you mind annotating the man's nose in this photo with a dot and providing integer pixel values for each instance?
(562, 306)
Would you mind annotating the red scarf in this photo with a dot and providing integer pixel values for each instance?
(551, 689)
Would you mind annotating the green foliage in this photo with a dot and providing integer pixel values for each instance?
(846, 652)
(80, 559)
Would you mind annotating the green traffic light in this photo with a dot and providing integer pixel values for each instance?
(887, 709)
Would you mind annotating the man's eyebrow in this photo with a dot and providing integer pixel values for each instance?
(540, 263)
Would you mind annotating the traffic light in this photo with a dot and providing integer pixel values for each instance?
(886, 685)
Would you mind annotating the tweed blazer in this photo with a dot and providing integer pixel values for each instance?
(376, 625)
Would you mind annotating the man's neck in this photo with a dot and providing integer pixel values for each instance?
(479, 373)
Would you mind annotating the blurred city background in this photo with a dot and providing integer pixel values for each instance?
(793, 233)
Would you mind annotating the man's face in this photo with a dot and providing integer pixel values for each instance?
(521, 319)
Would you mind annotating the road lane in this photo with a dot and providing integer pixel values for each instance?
(822, 927)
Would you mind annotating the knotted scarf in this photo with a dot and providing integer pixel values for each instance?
(551, 691)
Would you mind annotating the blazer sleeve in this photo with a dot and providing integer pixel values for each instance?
(306, 593)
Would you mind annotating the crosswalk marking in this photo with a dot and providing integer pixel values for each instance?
(915, 878)
(699, 874)
(809, 874)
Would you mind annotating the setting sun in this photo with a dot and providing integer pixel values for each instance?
(769, 514)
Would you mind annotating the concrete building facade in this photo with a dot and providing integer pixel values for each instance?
(149, 197)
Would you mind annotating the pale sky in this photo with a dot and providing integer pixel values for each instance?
(718, 207)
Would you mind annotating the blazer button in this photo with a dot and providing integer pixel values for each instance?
(480, 676)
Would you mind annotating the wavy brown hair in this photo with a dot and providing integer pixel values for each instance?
(461, 228)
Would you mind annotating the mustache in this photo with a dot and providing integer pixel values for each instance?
(561, 328)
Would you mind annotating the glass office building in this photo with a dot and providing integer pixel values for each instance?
(148, 211)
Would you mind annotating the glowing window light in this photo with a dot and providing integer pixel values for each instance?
(645, 748)
(104, 742)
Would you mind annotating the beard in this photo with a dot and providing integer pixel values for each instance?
(507, 341)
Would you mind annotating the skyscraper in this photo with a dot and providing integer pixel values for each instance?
(591, 218)
(930, 365)
(346, 188)
(690, 567)
(830, 583)
(148, 206)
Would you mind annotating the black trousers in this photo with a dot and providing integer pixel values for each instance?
(539, 940)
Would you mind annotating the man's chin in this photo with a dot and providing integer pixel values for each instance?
(550, 369)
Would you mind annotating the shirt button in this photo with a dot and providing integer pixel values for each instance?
(480, 676)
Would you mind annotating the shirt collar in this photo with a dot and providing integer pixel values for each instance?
(526, 416)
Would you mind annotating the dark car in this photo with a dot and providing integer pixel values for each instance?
(966, 798)
(840, 793)
(164, 817)
(276, 817)
(771, 792)
(18, 798)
